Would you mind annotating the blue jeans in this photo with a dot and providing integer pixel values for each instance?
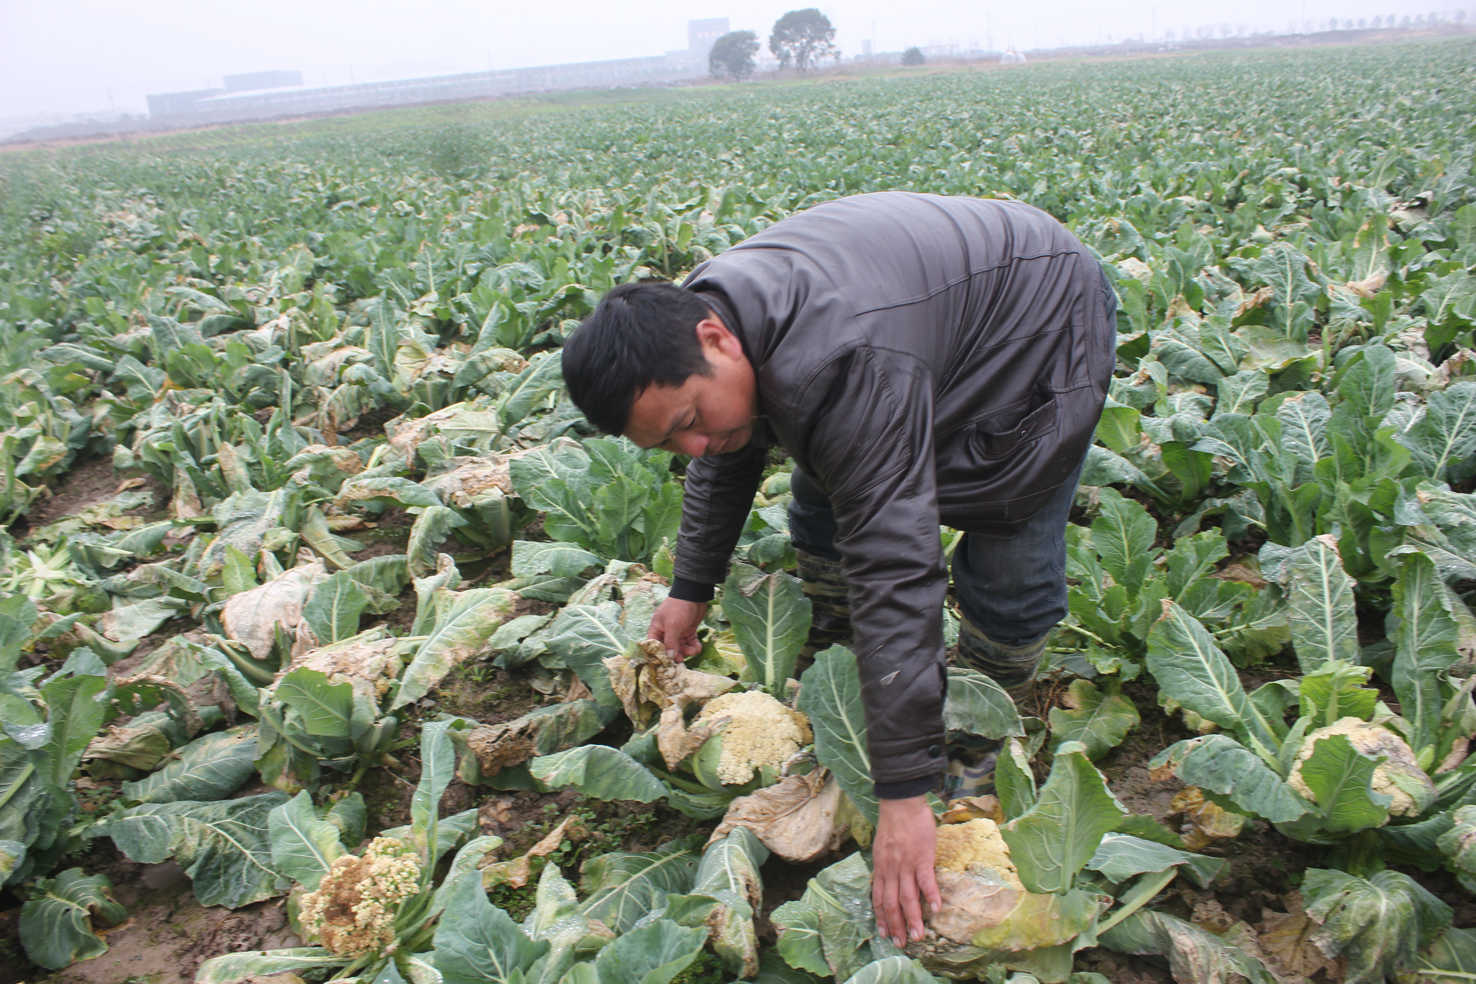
(1012, 590)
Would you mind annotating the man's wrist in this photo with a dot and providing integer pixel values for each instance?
(683, 589)
(906, 788)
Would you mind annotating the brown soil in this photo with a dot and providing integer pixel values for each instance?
(487, 695)
(389, 535)
(89, 481)
(168, 933)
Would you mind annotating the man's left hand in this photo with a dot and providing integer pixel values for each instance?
(902, 862)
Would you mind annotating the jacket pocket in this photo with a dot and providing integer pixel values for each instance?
(999, 436)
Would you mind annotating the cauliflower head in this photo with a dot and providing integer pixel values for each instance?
(1398, 777)
(961, 846)
(753, 729)
(353, 911)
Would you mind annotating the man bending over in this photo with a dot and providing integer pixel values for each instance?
(924, 360)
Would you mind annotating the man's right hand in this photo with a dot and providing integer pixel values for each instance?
(675, 626)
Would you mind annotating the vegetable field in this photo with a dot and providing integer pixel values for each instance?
(321, 603)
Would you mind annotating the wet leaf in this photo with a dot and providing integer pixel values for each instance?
(1378, 925)
(60, 920)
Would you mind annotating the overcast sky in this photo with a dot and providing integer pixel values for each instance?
(81, 56)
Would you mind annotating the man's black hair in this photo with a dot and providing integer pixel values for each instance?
(639, 335)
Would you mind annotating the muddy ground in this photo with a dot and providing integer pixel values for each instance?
(168, 933)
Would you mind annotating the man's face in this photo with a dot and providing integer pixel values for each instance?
(711, 414)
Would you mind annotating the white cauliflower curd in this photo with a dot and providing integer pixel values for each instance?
(754, 730)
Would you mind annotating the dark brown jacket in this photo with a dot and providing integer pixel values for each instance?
(926, 360)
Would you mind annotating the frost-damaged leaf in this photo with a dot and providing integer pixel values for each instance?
(729, 872)
(209, 768)
(59, 922)
(643, 677)
(600, 771)
(831, 699)
(1192, 670)
(980, 706)
(478, 943)
(1377, 926)
(390, 490)
(223, 846)
(796, 818)
(1097, 720)
(1195, 956)
(1324, 625)
(1056, 837)
(251, 617)
(1004, 921)
(830, 929)
(542, 731)
(303, 843)
(1121, 856)
(652, 954)
(231, 968)
(459, 632)
(1222, 765)
(621, 888)
(771, 617)
(516, 871)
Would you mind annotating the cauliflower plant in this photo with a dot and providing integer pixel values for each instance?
(352, 912)
(751, 729)
(1398, 777)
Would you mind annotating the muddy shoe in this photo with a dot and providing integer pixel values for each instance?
(970, 770)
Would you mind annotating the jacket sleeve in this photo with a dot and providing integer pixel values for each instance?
(871, 447)
(715, 505)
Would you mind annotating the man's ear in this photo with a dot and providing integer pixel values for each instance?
(714, 335)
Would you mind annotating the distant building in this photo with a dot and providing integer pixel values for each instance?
(702, 33)
(262, 95)
(189, 103)
(261, 80)
(178, 103)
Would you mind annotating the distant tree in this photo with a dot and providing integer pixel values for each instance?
(803, 37)
(732, 55)
(913, 57)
